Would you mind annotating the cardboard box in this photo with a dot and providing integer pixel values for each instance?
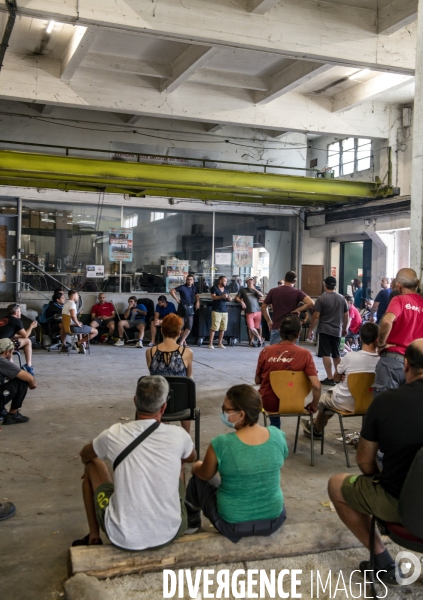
(25, 222)
(34, 219)
(64, 219)
(9, 210)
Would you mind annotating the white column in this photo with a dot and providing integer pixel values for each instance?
(416, 231)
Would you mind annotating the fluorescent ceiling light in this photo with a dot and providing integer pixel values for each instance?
(50, 27)
(359, 74)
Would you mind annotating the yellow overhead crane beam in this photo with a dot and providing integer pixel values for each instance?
(67, 173)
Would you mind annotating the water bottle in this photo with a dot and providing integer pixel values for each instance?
(342, 345)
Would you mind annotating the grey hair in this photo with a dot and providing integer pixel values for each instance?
(151, 393)
(407, 278)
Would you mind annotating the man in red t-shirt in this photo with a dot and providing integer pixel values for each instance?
(400, 325)
(281, 357)
(285, 300)
(103, 313)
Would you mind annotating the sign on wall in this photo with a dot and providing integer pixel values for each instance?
(243, 250)
(95, 271)
(223, 258)
(120, 244)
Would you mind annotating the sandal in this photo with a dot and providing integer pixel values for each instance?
(84, 542)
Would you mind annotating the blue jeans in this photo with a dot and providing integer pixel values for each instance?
(275, 337)
(275, 421)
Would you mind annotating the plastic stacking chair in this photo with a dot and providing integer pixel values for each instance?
(292, 388)
(182, 404)
(408, 533)
(361, 389)
(66, 322)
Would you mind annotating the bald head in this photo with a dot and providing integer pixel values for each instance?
(407, 278)
(413, 364)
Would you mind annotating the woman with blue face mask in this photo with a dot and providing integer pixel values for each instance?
(246, 499)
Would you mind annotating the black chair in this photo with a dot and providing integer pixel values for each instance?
(408, 534)
(182, 405)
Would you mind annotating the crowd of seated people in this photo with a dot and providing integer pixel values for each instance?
(237, 485)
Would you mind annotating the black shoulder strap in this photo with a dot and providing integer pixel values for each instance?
(134, 444)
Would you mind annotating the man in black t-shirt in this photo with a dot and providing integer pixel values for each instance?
(189, 301)
(393, 425)
(220, 295)
(12, 327)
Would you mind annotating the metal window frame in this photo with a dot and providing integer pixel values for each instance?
(340, 154)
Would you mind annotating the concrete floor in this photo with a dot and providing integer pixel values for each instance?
(76, 398)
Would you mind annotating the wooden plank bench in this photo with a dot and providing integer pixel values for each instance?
(210, 548)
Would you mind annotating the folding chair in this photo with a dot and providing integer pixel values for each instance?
(181, 404)
(361, 389)
(66, 322)
(18, 354)
(292, 388)
(408, 533)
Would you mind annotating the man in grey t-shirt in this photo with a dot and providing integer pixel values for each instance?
(248, 297)
(14, 384)
(331, 314)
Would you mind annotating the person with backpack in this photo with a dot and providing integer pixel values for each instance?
(142, 506)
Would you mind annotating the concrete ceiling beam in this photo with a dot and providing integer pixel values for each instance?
(43, 109)
(212, 127)
(188, 63)
(368, 91)
(76, 50)
(290, 78)
(233, 80)
(124, 64)
(396, 15)
(316, 31)
(261, 7)
(35, 79)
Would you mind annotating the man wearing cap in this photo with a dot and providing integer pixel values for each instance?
(14, 384)
(285, 300)
(331, 314)
(249, 297)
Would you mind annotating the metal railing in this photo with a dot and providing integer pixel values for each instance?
(25, 283)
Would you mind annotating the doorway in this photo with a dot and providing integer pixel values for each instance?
(355, 261)
(8, 225)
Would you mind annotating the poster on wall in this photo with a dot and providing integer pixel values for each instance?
(94, 271)
(120, 244)
(176, 272)
(243, 250)
(223, 258)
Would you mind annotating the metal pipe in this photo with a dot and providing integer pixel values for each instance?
(212, 268)
(12, 10)
(18, 249)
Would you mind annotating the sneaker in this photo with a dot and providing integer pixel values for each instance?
(150, 345)
(210, 346)
(328, 381)
(28, 369)
(307, 429)
(3, 413)
(64, 349)
(191, 530)
(221, 346)
(81, 348)
(120, 343)
(139, 344)
(7, 510)
(15, 419)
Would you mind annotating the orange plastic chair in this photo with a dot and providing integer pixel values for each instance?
(361, 388)
(66, 322)
(292, 388)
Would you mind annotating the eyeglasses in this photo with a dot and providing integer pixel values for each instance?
(227, 410)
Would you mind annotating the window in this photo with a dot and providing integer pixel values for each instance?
(131, 220)
(349, 156)
(157, 216)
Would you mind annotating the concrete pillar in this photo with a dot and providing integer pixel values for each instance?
(416, 231)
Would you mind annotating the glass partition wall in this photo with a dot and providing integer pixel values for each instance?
(64, 239)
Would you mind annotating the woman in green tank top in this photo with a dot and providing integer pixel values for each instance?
(247, 498)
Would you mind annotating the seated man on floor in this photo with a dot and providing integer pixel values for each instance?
(393, 425)
(144, 506)
(286, 355)
(163, 308)
(12, 327)
(134, 317)
(14, 384)
(103, 313)
(85, 331)
(339, 397)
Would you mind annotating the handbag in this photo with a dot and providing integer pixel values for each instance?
(134, 444)
(187, 310)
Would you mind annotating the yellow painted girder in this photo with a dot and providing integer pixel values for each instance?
(86, 174)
